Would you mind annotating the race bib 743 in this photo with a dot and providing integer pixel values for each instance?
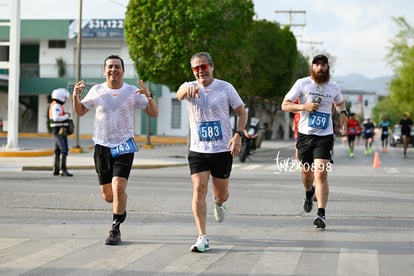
(127, 147)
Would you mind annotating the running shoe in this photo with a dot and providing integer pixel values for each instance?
(308, 204)
(114, 237)
(201, 245)
(219, 212)
(351, 154)
(319, 221)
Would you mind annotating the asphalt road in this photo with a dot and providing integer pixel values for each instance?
(57, 225)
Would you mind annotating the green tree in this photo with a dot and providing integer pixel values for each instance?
(302, 66)
(162, 35)
(401, 58)
(386, 106)
(270, 65)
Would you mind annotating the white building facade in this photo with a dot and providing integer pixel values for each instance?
(49, 61)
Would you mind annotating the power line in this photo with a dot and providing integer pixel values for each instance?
(311, 48)
(117, 3)
(291, 14)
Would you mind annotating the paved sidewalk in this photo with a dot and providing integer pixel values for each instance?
(166, 151)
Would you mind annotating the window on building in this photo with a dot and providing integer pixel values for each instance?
(176, 114)
(57, 44)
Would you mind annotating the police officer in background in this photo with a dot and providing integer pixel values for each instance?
(58, 118)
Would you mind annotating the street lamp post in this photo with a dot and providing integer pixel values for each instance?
(78, 74)
(14, 74)
(148, 144)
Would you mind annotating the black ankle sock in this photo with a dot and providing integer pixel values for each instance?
(117, 220)
(321, 212)
(310, 193)
(123, 217)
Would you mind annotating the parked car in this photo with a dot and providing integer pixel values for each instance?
(395, 136)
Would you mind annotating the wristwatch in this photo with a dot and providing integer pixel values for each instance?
(151, 97)
(240, 132)
(345, 112)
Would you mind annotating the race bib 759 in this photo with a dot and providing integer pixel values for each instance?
(318, 120)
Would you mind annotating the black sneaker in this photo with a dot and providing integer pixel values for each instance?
(65, 173)
(114, 237)
(319, 221)
(308, 204)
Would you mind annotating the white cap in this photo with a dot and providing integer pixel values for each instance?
(60, 94)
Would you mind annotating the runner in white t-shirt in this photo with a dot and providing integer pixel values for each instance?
(316, 94)
(212, 142)
(114, 102)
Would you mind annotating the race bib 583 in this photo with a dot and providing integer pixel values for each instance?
(210, 131)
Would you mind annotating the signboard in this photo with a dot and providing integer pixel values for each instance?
(99, 28)
(85, 91)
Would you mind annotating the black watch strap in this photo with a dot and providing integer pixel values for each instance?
(345, 112)
(240, 132)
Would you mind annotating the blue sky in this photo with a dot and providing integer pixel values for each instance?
(356, 32)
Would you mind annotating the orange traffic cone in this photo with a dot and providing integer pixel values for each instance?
(377, 162)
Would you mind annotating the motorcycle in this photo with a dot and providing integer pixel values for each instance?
(249, 140)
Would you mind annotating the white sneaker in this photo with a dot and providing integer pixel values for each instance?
(201, 244)
(219, 212)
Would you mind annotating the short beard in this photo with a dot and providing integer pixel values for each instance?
(321, 78)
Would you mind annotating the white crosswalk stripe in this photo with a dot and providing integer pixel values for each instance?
(357, 262)
(191, 263)
(339, 170)
(392, 170)
(6, 243)
(252, 167)
(90, 257)
(284, 260)
(124, 256)
(43, 256)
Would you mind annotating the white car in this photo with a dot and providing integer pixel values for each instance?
(395, 136)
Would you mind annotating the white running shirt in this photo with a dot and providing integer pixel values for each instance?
(209, 116)
(114, 112)
(320, 123)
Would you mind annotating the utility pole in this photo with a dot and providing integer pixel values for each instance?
(14, 75)
(291, 24)
(77, 148)
(290, 14)
(312, 48)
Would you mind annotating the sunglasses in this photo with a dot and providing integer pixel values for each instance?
(202, 67)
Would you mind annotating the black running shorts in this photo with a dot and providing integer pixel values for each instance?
(107, 167)
(351, 137)
(218, 163)
(311, 147)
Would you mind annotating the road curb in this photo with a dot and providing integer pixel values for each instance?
(26, 153)
(92, 167)
(33, 152)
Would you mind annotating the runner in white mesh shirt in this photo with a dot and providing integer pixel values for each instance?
(212, 142)
(114, 102)
(317, 94)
